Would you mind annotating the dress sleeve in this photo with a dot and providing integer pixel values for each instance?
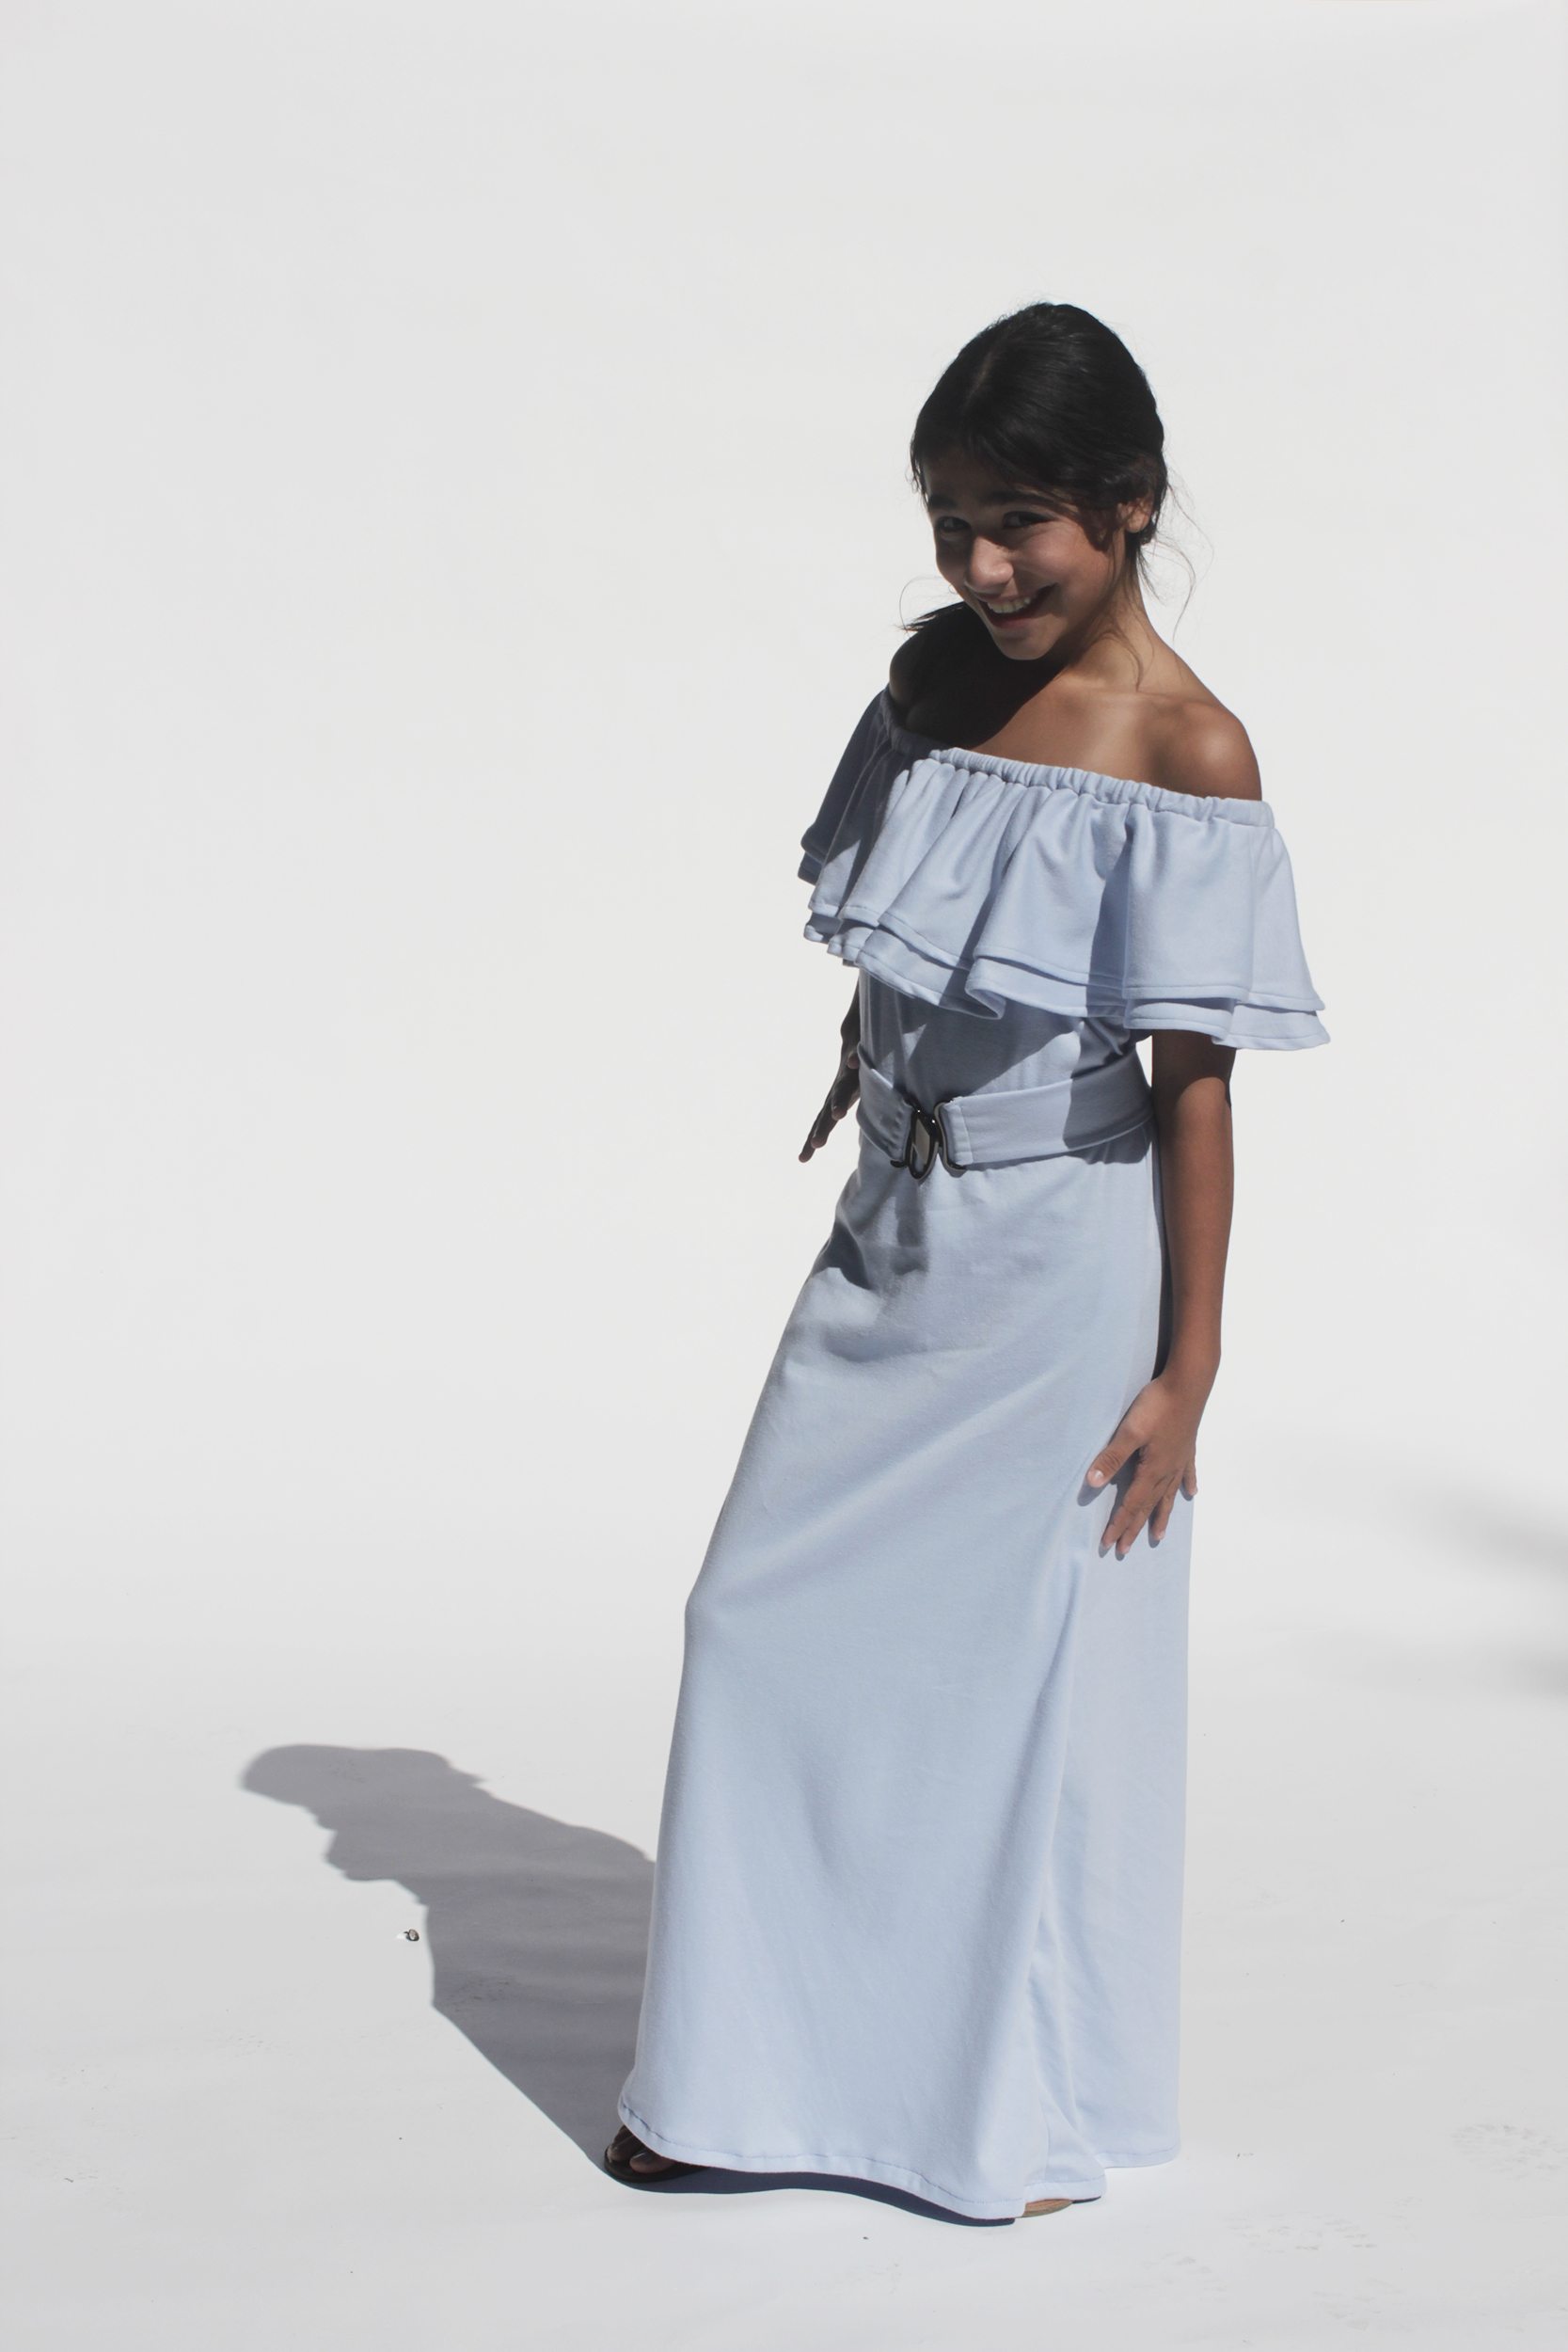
(859, 754)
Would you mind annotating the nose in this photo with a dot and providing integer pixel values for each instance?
(989, 567)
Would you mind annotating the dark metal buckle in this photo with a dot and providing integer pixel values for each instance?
(924, 1144)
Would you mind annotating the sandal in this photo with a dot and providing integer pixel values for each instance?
(625, 2146)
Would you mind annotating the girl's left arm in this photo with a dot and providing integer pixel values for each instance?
(1192, 1112)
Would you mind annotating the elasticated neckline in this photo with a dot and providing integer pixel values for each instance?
(1119, 791)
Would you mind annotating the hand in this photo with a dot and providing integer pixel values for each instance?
(1160, 1426)
(841, 1094)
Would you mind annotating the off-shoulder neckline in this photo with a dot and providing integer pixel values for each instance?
(1120, 789)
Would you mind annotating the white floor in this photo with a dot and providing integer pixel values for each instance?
(242, 2122)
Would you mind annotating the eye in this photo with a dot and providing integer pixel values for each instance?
(948, 526)
(1021, 520)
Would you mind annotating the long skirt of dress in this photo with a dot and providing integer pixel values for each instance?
(917, 1910)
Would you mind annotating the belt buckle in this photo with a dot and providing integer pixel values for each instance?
(924, 1144)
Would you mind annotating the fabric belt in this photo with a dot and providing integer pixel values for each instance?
(1015, 1123)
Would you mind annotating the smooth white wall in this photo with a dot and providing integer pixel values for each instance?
(454, 511)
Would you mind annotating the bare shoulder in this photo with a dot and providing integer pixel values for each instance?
(1203, 749)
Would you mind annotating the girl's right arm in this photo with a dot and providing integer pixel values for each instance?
(846, 1087)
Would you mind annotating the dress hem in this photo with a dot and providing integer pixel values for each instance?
(884, 2175)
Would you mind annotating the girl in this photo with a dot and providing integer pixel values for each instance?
(917, 1910)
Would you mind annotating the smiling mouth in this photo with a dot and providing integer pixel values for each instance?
(1007, 613)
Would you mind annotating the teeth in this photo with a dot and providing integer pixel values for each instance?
(1003, 610)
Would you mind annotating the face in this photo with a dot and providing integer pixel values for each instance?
(1031, 572)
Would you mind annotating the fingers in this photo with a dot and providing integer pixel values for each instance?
(1128, 1521)
(1149, 1501)
(1184, 1483)
(1156, 1435)
(1124, 1524)
(821, 1128)
(1107, 1465)
(1110, 1458)
(842, 1094)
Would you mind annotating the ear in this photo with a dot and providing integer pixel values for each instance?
(1135, 517)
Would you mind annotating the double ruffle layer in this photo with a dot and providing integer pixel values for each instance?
(972, 883)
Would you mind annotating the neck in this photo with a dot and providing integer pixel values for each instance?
(1114, 645)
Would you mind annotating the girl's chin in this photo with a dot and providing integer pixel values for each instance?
(1026, 643)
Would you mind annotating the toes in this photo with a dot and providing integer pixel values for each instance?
(627, 2149)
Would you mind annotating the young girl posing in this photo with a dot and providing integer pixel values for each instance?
(917, 1910)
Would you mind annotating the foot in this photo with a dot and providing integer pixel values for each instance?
(628, 2153)
(1048, 2204)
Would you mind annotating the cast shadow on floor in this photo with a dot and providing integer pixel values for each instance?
(538, 1934)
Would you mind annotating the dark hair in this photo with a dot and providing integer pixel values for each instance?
(1056, 401)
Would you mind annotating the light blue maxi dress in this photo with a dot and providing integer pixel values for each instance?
(917, 1909)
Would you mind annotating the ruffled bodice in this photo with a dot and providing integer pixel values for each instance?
(978, 884)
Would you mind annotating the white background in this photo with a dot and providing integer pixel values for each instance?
(454, 510)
